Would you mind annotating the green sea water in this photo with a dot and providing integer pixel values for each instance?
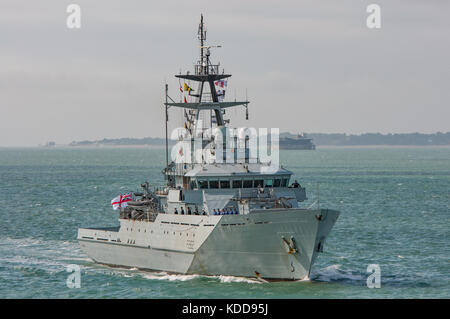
(394, 205)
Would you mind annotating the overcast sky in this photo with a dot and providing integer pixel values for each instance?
(308, 66)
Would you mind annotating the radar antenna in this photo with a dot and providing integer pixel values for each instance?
(204, 62)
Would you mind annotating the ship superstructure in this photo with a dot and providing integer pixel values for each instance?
(224, 211)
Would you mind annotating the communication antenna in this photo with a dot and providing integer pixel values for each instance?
(318, 195)
(246, 105)
(202, 38)
(167, 119)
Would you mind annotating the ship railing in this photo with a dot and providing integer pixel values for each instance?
(151, 216)
(181, 169)
(161, 191)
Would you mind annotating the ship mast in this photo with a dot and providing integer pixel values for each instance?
(202, 38)
(167, 120)
(204, 73)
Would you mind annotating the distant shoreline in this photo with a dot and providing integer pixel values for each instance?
(383, 146)
(156, 147)
(301, 141)
(287, 141)
(318, 146)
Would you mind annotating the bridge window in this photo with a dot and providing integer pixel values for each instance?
(269, 183)
(258, 183)
(285, 182)
(224, 184)
(237, 184)
(193, 184)
(248, 183)
(213, 184)
(276, 182)
(203, 184)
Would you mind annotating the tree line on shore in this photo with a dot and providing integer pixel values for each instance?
(332, 139)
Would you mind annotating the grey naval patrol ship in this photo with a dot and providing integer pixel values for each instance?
(214, 217)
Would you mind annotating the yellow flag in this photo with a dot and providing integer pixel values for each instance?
(187, 88)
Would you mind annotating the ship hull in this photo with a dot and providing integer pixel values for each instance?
(270, 244)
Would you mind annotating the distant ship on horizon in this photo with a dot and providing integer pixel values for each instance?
(298, 142)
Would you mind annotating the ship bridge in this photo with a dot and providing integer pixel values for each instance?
(226, 176)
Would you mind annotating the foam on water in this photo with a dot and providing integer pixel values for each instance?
(336, 273)
(31, 254)
(227, 279)
(169, 277)
(306, 279)
(179, 277)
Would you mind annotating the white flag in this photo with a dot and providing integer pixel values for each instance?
(121, 201)
(221, 85)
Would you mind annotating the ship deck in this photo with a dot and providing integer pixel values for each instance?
(113, 228)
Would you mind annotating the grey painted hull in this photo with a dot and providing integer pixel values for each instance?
(278, 244)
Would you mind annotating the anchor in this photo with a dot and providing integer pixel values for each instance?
(291, 245)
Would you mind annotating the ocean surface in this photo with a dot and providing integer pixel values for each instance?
(394, 205)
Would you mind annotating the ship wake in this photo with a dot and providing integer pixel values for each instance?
(180, 277)
(335, 273)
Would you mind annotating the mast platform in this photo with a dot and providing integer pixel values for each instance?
(207, 105)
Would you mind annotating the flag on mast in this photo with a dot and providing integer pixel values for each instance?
(187, 88)
(121, 201)
(221, 85)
